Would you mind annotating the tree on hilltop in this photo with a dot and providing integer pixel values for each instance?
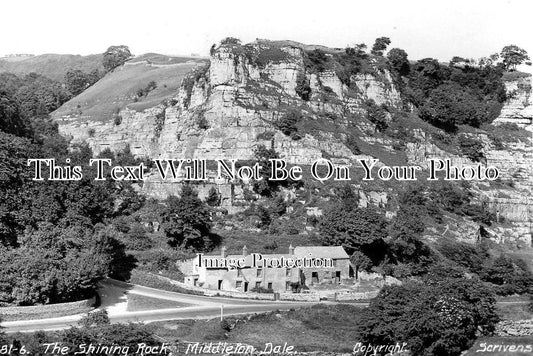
(398, 59)
(115, 56)
(380, 45)
(513, 56)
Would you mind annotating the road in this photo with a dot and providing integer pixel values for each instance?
(114, 294)
(114, 299)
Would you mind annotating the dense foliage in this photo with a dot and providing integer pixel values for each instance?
(186, 221)
(448, 96)
(54, 245)
(438, 317)
(115, 56)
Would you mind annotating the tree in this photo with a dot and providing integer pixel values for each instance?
(287, 123)
(512, 276)
(380, 45)
(115, 56)
(303, 89)
(232, 41)
(512, 56)
(357, 51)
(213, 198)
(186, 221)
(77, 81)
(266, 187)
(376, 115)
(398, 60)
(408, 226)
(450, 105)
(441, 317)
(362, 229)
(11, 120)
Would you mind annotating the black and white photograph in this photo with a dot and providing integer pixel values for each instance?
(266, 178)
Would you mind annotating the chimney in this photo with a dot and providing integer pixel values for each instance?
(245, 251)
(223, 251)
(291, 250)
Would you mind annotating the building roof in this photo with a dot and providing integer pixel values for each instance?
(321, 251)
(333, 252)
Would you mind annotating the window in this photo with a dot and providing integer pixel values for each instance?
(238, 284)
(288, 285)
(257, 284)
(259, 272)
(288, 272)
(334, 263)
(269, 285)
(314, 277)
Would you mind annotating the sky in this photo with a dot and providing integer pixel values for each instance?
(443, 29)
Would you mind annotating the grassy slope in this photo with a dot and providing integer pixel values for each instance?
(321, 327)
(53, 66)
(140, 302)
(118, 89)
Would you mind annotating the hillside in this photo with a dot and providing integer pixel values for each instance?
(307, 103)
(118, 89)
(53, 66)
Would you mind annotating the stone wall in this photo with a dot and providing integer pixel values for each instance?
(47, 311)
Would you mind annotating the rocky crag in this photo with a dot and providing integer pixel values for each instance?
(225, 109)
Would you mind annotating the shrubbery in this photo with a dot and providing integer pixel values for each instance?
(147, 89)
(442, 317)
(471, 148)
(287, 123)
(302, 86)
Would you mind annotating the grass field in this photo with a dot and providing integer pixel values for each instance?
(118, 90)
(53, 66)
(322, 327)
(140, 302)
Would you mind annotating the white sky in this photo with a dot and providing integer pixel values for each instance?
(439, 29)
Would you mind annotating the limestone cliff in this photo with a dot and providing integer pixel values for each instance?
(519, 108)
(237, 101)
(232, 105)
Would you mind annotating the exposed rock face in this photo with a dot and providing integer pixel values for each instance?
(518, 109)
(136, 129)
(228, 108)
(239, 101)
(513, 203)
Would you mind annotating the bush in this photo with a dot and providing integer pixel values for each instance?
(262, 290)
(465, 255)
(317, 60)
(230, 41)
(303, 89)
(377, 115)
(471, 148)
(511, 275)
(147, 89)
(287, 123)
(267, 135)
(351, 143)
(442, 317)
(202, 122)
(213, 198)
